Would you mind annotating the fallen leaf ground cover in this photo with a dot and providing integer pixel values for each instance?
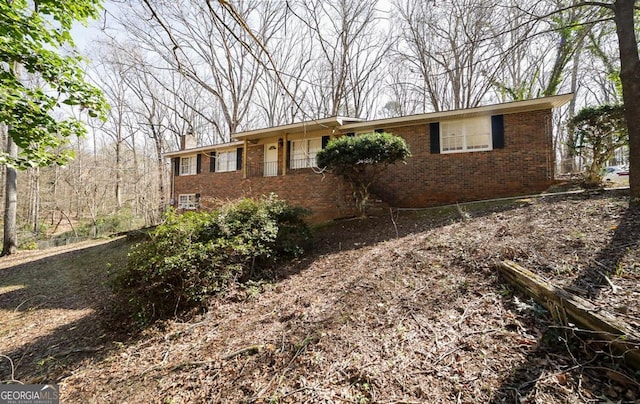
(406, 307)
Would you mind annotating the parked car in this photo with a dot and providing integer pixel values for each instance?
(616, 175)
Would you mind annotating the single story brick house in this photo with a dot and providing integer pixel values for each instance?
(486, 152)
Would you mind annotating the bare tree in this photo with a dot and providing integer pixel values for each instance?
(201, 41)
(446, 48)
(112, 73)
(570, 41)
(161, 106)
(280, 94)
(602, 79)
(349, 52)
(525, 52)
(621, 13)
(406, 95)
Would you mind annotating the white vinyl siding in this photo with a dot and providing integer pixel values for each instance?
(303, 152)
(472, 134)
(226, 161)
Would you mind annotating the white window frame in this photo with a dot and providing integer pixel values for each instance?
(187, 201)
(188, 165)
(303, 152)
(464, 131)
(227, 163)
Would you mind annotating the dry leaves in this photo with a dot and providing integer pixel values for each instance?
(422, 317)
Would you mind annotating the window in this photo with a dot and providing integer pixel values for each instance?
(226, 161)
(472, 134)
(187, 201)
(188, 165)
(303, 152)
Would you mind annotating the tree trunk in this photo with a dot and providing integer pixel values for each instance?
(568, 160)
(10, 243)
(3, 172)
(35, 201)
(118, 190)
(630, 78)
(10, 239)
(564, 306)
(162, 193)
(162, 199)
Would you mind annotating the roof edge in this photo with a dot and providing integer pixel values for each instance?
(346, 124)
(299, 126)
(554, 101)
(196, 150)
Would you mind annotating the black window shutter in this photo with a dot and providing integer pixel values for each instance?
(325, 140)
(434, 135)
(497, 131)
(379, 130)
(176, 166)
(288, 153)
(212, 162)
(239, 159)
(198, 163)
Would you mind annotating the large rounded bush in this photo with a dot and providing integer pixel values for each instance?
(361, 159)
(195, 255)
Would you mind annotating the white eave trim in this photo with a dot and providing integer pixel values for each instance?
(197, 150)
(493, 109)
(312, 125)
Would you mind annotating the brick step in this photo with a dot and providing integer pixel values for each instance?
(376, 206)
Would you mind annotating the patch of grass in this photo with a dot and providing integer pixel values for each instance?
(67, 274)
(52, 307)
(471, 207)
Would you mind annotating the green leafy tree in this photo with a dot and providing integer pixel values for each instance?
(361, 159)
(33, 39)
(597, 132)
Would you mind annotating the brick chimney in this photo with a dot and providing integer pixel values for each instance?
(188, 141)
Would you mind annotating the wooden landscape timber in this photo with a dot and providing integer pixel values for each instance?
(566, 307)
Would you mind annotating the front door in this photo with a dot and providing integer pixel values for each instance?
(270, 159)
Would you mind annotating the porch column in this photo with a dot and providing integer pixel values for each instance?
(284, 154)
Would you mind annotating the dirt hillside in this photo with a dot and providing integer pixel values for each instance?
(406, 307)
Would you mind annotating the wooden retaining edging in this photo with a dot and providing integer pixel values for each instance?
(565, 306)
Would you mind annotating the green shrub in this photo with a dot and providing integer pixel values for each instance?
(596, 134)
(361, 159)
(122, 220)
(116, 222)
(199, 254)
(29, 245)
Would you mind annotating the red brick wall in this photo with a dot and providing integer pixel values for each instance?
(326, 195)
(524, 166)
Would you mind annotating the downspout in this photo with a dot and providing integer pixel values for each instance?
(244, 159)
(548, 128)
(174, 197)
